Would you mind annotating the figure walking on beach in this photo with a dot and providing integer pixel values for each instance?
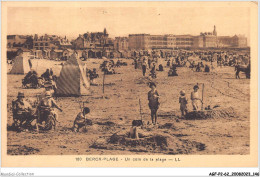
(153, 98)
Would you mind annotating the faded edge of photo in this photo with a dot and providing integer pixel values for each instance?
(186, 160)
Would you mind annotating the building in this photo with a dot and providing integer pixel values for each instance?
(63, 43)
(56, 54)
(95, 44)
(239, 41)
(44, 45)
(138, 41)
(206, 40)
(198, 42)
(184, 41)
(91, 40)
(170, 41)
(209, 40)
(224, 41)
(41, 43)
(157, 42)
(149, 42)
(121, 43)
(19, 41)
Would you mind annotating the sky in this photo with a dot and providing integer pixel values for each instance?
(121, 21)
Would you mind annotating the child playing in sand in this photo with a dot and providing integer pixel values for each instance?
(153, 98)
(183, 103)
(133, 133)
(80, 120)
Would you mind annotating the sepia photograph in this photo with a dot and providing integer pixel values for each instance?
(140, 78)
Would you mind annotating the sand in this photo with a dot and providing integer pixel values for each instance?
(120, 105)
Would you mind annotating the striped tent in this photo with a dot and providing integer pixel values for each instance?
(21, 65)
(72, 80)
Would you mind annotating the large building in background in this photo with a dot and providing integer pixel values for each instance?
(44, 46)
(93, 40)
(239, 41)
(95, 44)
(157, 42)
(121, 43)
(204, 40)
(138, 41)
(98, 44)
(19, 41)
(149, 42)
(184, 41)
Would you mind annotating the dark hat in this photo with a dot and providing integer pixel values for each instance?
(152, 84)
(86, 110)
(20, 94)
(196, 86)
(182, 92)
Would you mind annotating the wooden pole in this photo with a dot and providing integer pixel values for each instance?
(140, 109)
(104, 82)
(202, 96)
(85, 121)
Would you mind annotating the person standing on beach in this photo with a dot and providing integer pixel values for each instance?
(183, 103)
(153, 98)
(144, 66)
(195, 98)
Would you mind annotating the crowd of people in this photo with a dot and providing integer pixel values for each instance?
(24, 114)
(205, 60)
(44, 112)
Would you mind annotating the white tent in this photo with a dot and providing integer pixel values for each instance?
(20, 65)
(72, 80)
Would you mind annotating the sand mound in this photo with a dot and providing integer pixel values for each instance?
(108, 123)
(106, 127)
(21, 150)
(143, 80)
(215, 113)
(166, 114)
(154, 142)
(167, 126)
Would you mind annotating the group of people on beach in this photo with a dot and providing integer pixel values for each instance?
(153, 98)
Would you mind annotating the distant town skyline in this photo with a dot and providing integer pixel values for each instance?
(122, 21)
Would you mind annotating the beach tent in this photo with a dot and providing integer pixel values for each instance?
(20, 65)
(72, 80)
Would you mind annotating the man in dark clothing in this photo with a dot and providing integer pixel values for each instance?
(207, 69)
(51, 72)
(149, 62)
(144, 66)
(153, 98)
(22, 112)
(46, 75)
(135, 63)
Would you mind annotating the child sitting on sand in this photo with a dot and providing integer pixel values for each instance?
(80, 120)
(183, 103)
(133, 133)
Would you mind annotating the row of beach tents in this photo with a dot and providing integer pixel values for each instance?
(72, 80)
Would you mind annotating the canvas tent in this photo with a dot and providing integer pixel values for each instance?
(21, 65)
(72, 80)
